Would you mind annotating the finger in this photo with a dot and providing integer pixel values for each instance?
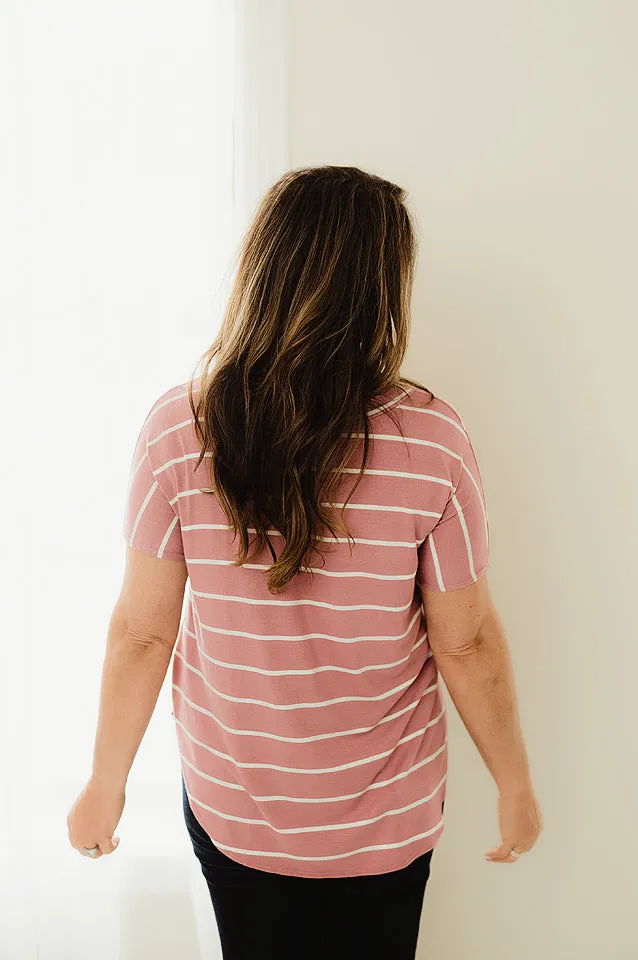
(79, 846)
(501, 854)
(108, 844)
(83, 847)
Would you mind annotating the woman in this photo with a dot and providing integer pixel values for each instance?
(322, 509)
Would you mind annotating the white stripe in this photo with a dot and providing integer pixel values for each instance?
(437, 566)
(167, 535)
(305, 636)
(456, 414)
(383, 507)
(390, 403)
(423, 443)
(178, 396)
(368, 470)
(318, 770)
(170, 463)
(347, 825)
(303, 602)
(481, 501)
(141, 461)
(349, 506)
(377, 785)
(336, 856)
(466, 534)
(187, 493)
(273, 736)
(374, 543)
(141, 510)
(434, 413)
(275, 533)
(304, 673)
(206, 526)
(438, 446)
(325, 573)
(397, 473)
(178, 426)
(207, 776)
(311, 705)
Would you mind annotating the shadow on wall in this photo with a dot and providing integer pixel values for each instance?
(157, 912)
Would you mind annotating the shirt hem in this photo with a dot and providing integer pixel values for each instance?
(265, 864)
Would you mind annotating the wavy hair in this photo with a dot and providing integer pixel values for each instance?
(315, 328)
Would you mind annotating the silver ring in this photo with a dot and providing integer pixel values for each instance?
(91, 852)
(515, 853)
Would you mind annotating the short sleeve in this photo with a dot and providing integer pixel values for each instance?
(456, 552)
(151, 524)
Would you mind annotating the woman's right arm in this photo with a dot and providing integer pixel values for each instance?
(472, 655)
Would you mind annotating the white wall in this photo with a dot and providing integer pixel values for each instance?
(116, 183)
(513, 126)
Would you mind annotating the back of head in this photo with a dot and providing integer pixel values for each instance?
(316, 325)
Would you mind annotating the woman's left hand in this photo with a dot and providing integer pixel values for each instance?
(94, 816)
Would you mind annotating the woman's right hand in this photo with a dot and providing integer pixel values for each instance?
(520, 823)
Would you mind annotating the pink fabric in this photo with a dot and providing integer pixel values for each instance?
(310, 725)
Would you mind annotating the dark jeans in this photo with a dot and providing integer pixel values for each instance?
(269, 916)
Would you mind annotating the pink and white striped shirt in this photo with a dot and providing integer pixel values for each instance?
(311, 728)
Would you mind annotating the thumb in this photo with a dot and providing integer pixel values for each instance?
(500, 852)
(109, 844)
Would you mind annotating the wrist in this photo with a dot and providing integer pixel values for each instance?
(515, 786)
(108, 781)
(516, 780)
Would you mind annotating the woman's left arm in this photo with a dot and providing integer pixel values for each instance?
(141, 636)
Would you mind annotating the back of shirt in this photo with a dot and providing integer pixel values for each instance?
(310, 724)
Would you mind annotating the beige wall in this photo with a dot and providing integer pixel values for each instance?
(513, 126)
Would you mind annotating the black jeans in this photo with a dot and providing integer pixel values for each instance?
(269, 916)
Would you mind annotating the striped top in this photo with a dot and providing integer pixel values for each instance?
(311, 728)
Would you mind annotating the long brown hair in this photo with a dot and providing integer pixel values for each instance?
(316, 326)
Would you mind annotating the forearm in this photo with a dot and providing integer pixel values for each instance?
(132, 677)
(481, 683)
